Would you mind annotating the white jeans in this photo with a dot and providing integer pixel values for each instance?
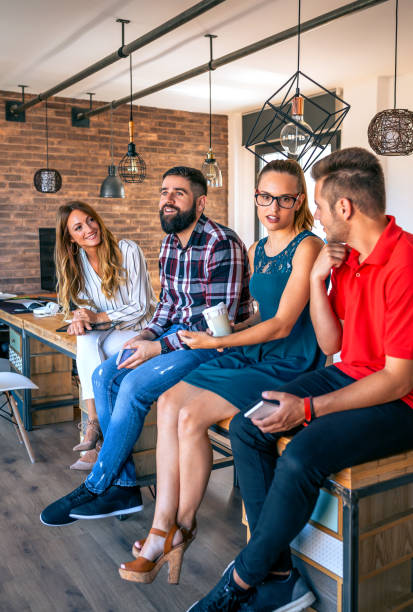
(92, 349)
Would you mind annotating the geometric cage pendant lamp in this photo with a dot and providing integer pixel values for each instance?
(390, 132)
(210, 168)
(132, 167)
(281, 126)
(47, 180)
(112, 186)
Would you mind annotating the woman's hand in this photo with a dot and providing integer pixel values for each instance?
(198, 340)
(82, 319)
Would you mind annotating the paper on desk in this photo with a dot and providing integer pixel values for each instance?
(7, 296)
(28, 303)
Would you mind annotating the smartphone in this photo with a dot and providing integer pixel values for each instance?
(123, 355)
(262, 409)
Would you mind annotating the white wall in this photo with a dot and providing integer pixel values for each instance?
(241, 182)
(366, 98)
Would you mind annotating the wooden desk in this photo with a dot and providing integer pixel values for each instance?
(25, 331)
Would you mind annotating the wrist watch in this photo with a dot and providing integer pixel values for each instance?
(164, 347)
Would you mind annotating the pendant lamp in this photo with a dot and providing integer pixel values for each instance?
(112, 186)
(390, 132)
(281, 125)
(47, 180)
(132, 168)
(210, 168)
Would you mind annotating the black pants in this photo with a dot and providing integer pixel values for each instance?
(280, 492)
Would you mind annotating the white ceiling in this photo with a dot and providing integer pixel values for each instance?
(43, 42)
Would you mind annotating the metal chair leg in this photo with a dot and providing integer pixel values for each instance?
(22, 431)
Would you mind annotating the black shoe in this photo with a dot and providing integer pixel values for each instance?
(57, 514)
(114, 501)
(290, 595)
(224, 597)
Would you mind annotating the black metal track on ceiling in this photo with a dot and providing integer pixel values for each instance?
(125, 51)
(342, 11)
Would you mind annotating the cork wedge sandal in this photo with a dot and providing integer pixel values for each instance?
(143, 570)
(188, 535)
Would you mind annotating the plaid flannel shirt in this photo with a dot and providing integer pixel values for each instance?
(211, 268)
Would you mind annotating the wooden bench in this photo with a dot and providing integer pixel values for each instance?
(357, 549)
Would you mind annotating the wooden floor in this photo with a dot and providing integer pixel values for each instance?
(74, 568)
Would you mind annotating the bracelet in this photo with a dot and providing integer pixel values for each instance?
(309, 414)
(165, 348)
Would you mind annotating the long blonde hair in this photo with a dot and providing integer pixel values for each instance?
(70, 281)
(303, 219)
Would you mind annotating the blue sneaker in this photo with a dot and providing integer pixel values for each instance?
(113, 502)
(57, 513)
(290, 595)
(224, 597)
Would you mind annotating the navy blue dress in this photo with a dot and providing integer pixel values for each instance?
(242, 374)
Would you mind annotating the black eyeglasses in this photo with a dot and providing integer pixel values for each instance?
(284, 201)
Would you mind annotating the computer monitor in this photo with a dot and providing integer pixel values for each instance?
(47, 241)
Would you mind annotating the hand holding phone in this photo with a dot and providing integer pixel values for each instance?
(123, 355)
(262, 409)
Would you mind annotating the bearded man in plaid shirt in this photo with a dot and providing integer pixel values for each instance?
(201, 264)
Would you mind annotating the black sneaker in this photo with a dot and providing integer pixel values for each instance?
(114, 501)
(57, 514)
(224, 597)
(290, 595)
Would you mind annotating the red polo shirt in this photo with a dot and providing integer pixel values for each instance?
(375, 301)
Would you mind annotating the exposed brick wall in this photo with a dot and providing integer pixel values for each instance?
(163, 137)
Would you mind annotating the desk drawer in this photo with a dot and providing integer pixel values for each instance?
(16, 341)
(15, 360)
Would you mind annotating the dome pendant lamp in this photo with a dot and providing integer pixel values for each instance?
(390, 132)
(210, 168)
(132, 168)
(112, 186)
(47, 180)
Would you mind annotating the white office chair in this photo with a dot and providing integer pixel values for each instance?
(9, 381)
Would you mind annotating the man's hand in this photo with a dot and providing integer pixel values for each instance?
(331, 255)
(286, 416)
(198, 340)
(145, 350)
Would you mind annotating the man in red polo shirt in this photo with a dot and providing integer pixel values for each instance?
(358, 410)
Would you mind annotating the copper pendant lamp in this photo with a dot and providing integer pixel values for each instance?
(210, 168)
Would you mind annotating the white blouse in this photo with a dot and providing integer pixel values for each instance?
(134, 301)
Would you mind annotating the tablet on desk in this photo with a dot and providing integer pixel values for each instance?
(262, 409)
(95, 326)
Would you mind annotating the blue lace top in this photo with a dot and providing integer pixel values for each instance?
(243, 373)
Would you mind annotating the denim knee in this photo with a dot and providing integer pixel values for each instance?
(103, 374)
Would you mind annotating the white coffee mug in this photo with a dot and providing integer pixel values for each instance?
(217, 319)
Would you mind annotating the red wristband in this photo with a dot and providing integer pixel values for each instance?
(307, 410)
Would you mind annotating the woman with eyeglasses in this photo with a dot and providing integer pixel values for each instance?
(108, 281)
(274, 346)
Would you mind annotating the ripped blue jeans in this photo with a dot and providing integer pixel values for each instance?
(123, 399)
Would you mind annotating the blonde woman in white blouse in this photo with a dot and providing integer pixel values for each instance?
(109, 282)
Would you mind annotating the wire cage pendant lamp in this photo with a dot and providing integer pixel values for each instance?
(132, 167)
(390, 132)
(210, 168)
(281, 125)
(47, 180)
(112, 186)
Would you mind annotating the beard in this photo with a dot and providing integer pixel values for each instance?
(180, 221)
